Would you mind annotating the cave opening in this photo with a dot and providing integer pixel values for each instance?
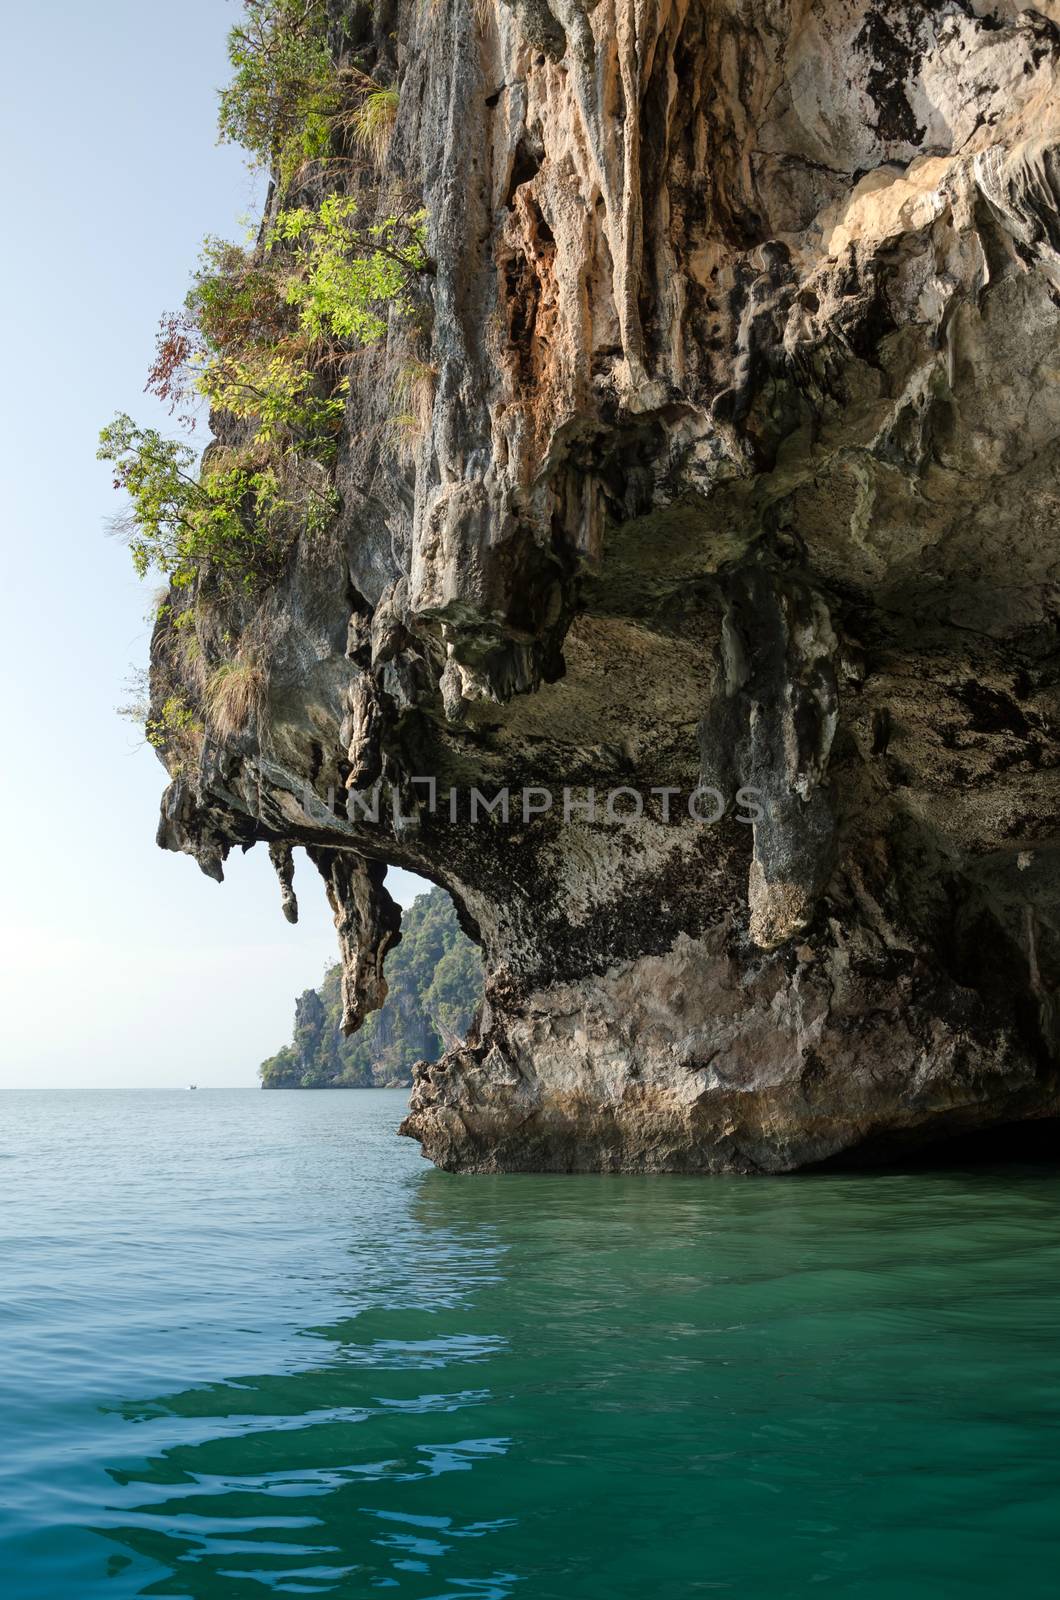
(1033, 1142)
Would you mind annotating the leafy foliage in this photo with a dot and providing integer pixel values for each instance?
(177, 731)
(233, 299)
(265, 333)
(346, 276)
(233, 515)
(435, 979)
(238, 345)
(283, 95)
(279, 395)
(454, 989)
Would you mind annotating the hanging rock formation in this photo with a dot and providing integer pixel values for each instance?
(738, 469)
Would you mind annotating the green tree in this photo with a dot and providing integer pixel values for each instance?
(283, 95)
(232, 513)
(344, 277)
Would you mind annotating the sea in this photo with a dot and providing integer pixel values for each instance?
(251, 1344)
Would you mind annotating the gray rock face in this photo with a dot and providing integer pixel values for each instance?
(737, 464)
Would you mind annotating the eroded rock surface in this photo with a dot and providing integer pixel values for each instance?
(737, 464)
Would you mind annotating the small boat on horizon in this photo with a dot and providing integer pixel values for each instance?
(193, 1085)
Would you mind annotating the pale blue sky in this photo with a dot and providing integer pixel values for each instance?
(119, 964)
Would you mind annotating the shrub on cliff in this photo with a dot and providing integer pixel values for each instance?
(234, 514)
(265, 333)
(283, 96)
(346, 277)
(264, 340)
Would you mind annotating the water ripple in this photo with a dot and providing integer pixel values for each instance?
(249, 1344)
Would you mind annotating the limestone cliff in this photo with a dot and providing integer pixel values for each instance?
(734, 462)
(434, 989)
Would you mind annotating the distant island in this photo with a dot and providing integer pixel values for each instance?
(435, 985)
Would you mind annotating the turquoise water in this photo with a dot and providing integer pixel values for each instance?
(251, 1343)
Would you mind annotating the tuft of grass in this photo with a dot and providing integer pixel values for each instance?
(187, 658)
(414, 389)
(373, 122)
(235, 697)
(413, 397)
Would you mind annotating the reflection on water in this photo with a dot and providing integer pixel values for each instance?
(627, 1387)
(320, 1479)
(573, 1387)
